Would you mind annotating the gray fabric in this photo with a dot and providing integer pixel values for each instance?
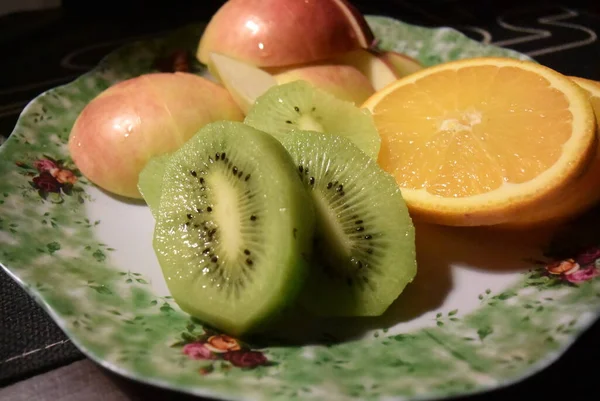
(86, 381)
(80, 380)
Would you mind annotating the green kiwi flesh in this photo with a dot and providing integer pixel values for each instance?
(150, 181)
(364, 245)
(301, 106)
(234, 228)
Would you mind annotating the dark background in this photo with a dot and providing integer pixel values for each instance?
(34, 46)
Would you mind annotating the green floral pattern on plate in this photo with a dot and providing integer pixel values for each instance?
(60, 238)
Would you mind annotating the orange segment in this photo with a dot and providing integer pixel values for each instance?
(471, 142)
(583, 192)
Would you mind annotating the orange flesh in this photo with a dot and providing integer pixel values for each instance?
(464, 132)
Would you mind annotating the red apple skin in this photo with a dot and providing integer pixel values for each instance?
(275, 33)
(342, 81)
(130, 122)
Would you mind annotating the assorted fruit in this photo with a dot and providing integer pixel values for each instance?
(483, 141)
(293, 181)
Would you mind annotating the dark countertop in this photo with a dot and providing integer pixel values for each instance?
(37, 45)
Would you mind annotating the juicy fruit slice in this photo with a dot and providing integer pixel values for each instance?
(477, 141)
(234, 227)
(150, 181)
(364, 242)
(136, 119)
(376, 69)
(582, 193)
(300, 106)
(243, 81)
(342, 81)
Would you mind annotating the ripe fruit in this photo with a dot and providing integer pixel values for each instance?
(376, 69)
(478, 141)
(402, 64)
(300, 106)
(364, 245)
(582, 193)
(234, 227)
(123, 127)
(246, 82)
(275, 33)
(342, 81)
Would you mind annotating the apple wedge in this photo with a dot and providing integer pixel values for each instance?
(342, 81)
(275, 33)
(134, 120)
(402, 64)
(246, 82)
(375, 68)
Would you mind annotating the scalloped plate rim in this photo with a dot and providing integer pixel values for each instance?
(166, 384)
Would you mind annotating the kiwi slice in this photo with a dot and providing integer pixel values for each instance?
(364, 245)
(234, 227)
(150, 181)
(299, 105)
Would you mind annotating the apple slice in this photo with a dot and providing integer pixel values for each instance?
(134, 120)
(244, 81)
(402, 64)
(342, 81)
(379, 72)
(275, 33)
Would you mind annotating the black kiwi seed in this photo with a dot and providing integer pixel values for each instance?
(297, 109)
(247, 251)
(339, 188)
(311, 180)
(253, 218)
(241, 173)
(247, 177)
(358, 222)
(214, 259)
(235, 170)
(193, 173)
(206, 250)
(300, 168)
(288, 122)
(223, 156)
(201, 180)
(249, 262)
(359, 229)
(217, 156)
(189, 216)
(199, 210)
(329, 185)
(209, 209)
(368, 236)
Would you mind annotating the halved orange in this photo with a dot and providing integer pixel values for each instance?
(478, 141)
(583, 192)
